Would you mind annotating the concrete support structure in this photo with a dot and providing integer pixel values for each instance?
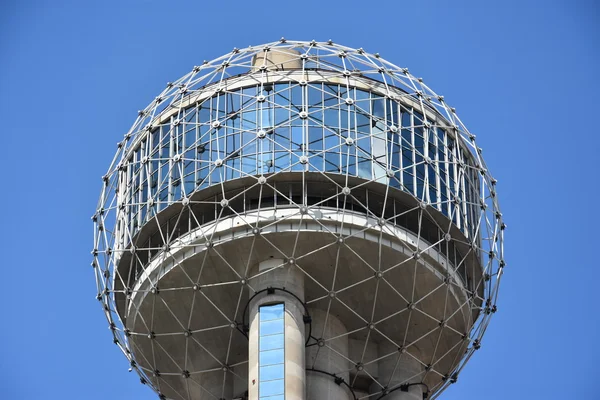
(329, 355)
(359, 350)
(274, 60)
(399, 368)
(205, 386)
(280, 274)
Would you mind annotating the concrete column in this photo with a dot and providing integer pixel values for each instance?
(292, 279)
(399, 371)
(329, 356)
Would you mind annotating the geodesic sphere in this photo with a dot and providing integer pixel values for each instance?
(342, 166)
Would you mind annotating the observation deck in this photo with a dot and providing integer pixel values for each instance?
(306, 183)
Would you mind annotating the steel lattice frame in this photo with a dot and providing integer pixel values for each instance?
(115, 235)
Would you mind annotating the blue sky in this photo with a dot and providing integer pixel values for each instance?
(521, 74)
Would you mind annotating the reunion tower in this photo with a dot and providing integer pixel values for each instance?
(298, 220)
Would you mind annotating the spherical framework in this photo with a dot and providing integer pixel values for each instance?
(321, 157)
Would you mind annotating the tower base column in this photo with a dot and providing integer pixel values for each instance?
(399, 369)
(327, 357)
(276, 339)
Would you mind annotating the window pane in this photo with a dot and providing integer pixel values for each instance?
(271, 372)
(271, 357)
(276, 397)
(271, 342)
(270, 388)
(274, 311)
(271, 327)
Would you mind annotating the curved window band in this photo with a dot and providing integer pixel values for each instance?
(254, 133)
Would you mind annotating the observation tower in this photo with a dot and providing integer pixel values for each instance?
(298, 220)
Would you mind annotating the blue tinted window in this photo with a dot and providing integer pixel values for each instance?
(271, 342)
(271, 388)
(385, 135)
(271, 372)
(271, 352)
(268, 313)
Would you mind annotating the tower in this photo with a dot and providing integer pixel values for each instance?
(298, 220)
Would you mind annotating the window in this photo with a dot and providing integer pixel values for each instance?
(271, 352)
(372, 137)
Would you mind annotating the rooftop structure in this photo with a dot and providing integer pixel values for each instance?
(298, 220)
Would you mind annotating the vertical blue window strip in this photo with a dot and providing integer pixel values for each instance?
(271, 352)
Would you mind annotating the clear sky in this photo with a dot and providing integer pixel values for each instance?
(521, 74)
